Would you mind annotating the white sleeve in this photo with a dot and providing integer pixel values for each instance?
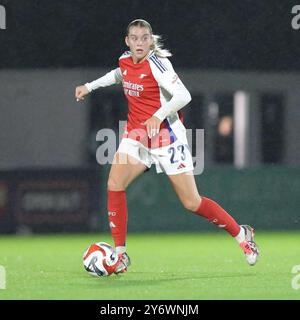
(167, 79)
(112, 77)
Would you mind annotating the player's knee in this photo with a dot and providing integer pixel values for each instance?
(115, 185)
(191, 204)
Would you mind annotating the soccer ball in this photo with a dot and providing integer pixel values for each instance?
(100, 259)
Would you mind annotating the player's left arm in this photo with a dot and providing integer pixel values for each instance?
(169, 81)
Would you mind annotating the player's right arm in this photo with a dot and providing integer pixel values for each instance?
(112, 77)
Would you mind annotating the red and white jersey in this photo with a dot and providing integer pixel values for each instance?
(152, 88)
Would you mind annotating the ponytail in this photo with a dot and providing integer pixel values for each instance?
(158, 47)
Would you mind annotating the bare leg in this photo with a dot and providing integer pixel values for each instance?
(123, 171)
(186, 189)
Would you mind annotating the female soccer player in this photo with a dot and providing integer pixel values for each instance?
(155, 134)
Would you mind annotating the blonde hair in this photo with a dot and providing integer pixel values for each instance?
(157, 46)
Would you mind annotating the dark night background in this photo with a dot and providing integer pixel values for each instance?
(228, 35)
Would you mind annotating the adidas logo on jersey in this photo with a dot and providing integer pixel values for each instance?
(182, 165)
(125, 72)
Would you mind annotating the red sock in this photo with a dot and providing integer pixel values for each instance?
(210, 210)
(117, 216)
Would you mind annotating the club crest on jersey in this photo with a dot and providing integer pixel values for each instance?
(143, 75)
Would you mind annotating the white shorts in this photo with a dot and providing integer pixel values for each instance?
(172, 159)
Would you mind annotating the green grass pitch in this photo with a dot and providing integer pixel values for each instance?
(164, 266)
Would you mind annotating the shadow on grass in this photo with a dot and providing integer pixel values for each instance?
(127, 280)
